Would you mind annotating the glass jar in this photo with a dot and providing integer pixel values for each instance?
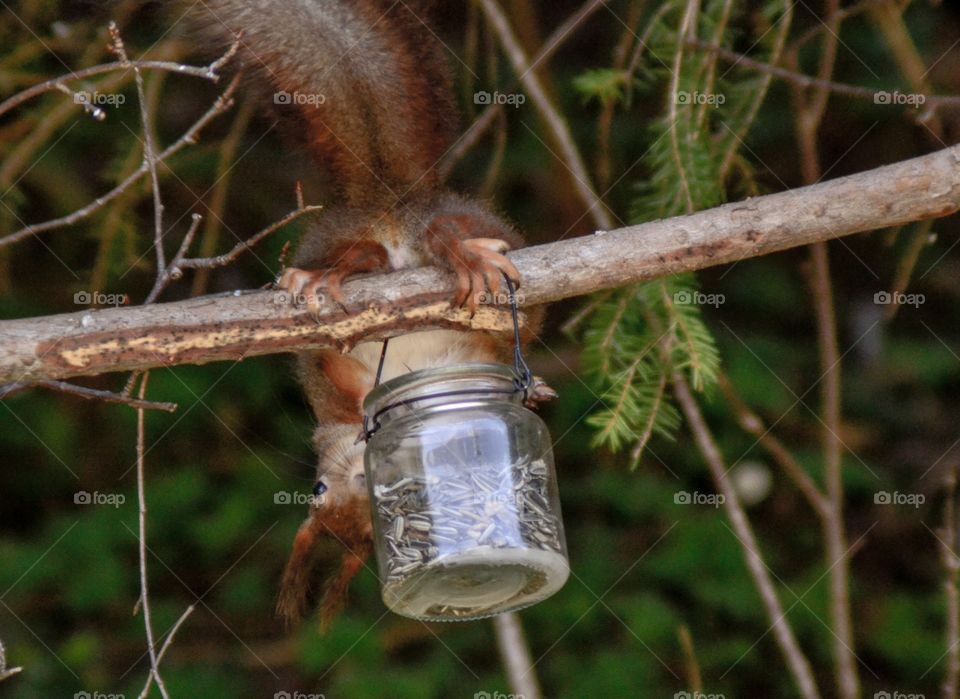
(464, 495)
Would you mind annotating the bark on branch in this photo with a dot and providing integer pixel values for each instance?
(243, 325)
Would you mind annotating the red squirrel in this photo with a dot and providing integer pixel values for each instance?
(366, 83)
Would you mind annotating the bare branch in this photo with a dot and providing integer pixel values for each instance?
(244, 245)
(149, 148)
(806, 81)
(554, 121)
(516, 657)
(222, 104)
(809, 110)
(166, 645)
(918, 240)
(694, 677)
(479, 127)
(239, 325)
(12, 389)
(751, 423)
(6, 672)
(797, 662)
(142, 540)
(59, 84)
(951, 567)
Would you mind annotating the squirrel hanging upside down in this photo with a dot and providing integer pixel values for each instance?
(366, 83)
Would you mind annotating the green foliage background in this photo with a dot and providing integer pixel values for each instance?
(643, 565)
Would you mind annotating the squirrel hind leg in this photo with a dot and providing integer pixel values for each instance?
(306, 286)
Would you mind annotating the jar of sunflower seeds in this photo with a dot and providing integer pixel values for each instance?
(464, 495)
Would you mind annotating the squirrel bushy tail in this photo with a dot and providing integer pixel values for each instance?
(366, 80)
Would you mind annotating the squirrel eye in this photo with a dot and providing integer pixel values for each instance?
(319, 488)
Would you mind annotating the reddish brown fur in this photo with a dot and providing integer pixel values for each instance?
(334, 520)
(385, 121)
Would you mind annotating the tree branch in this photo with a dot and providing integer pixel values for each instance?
(516, 656)
(240, 325)
(951, 567)
(6, 672)
(797, 661)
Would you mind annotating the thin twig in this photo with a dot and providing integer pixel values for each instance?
(809, 109)
(244, 245)
(480, 126)
(149, 148)
(13, 389)
(694, 677)
(918, 240)
(166, 645)
(165, 274)
(59, 84)
(554, 121)
(708, 82)
(797, 662)
(603, 165)
(807, 81)
(218, 199)
(144, 600)
(571, 324)
(6, 672)
(516, 657)
(842, 15)
(687, 30)
(753, 425)
(189, 137)
(951, 567)
(889, 18)
(786, 21)
(180, 262)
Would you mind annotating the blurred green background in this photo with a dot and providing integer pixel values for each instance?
(644, 567)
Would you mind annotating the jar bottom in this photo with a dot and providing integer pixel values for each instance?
(478, 583)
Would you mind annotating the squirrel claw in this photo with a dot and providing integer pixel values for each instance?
(307, 287)
(480, 265)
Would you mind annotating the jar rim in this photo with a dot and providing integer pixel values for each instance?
(412, 382)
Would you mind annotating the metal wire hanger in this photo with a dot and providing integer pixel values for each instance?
(522, 380)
